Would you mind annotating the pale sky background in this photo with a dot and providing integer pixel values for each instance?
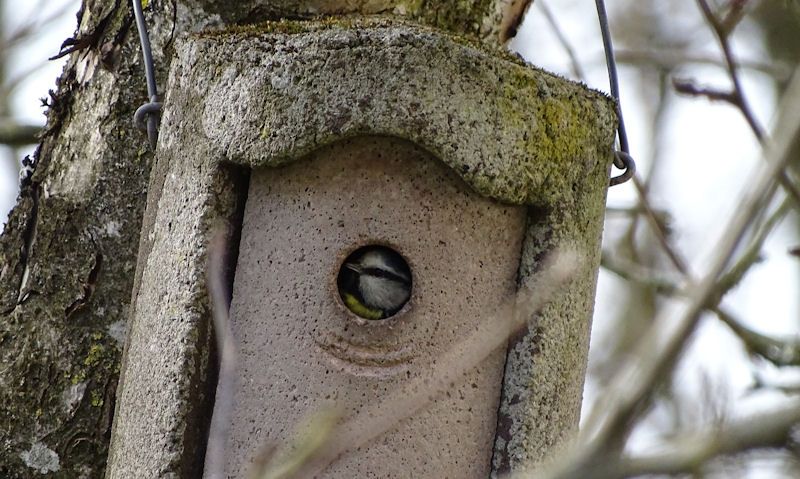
(709, 157)
(32, 54)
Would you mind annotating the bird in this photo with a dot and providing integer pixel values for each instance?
(375, 282)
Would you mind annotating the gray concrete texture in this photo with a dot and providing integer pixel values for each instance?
(302, 350)
(266, 97)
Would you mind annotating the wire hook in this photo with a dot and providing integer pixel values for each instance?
(623, 161)
(147, 116)
(622, 157)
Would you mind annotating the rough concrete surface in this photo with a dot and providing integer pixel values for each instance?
(268, 98)
(511, 132)
(301, 350)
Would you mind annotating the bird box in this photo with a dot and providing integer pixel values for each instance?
(341, 153)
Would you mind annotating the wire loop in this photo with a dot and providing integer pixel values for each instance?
(143, 114)
(147, 115)
(622, 157)
(623, 161)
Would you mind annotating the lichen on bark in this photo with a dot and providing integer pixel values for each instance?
(67, 254)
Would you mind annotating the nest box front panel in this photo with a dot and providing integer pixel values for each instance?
(325, 239)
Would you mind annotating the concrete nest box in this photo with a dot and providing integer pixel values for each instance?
(391, 186)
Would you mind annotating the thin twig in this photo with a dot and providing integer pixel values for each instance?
(18, 134)
(634, 273)
(662, 215)
(791, 188)
(574, 64)
(654, 220)
(689, 451)
(722, 32)
(727, 281)
(722, 29)
(752, 253)
(219, 295)
(33, 25)
(689, 87)
(657, 220)
(668, 59)
(659, 229)
(780, 352)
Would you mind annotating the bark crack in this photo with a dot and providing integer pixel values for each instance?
(88, 287)
(28, 237)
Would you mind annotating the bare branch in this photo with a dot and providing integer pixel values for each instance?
(659, 229)
(689, 451)
(689, 87)
(780, 352)
(635, 273)
(18, 134)
(632, 387)
(723, 28)
(219, 294)
(752, 253)
(574, 64)
(670, 59)
(33, 25)
(663, 216)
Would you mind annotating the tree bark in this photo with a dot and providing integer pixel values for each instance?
(68, 253)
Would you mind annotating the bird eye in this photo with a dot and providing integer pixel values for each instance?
(374, 282)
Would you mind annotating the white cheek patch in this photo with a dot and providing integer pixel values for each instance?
(383, 293)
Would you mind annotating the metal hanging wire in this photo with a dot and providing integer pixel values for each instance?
(147, 116)
(622, 157)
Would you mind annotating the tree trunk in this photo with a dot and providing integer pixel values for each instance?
(68, 253)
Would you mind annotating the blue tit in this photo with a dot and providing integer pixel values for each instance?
(375, 282)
